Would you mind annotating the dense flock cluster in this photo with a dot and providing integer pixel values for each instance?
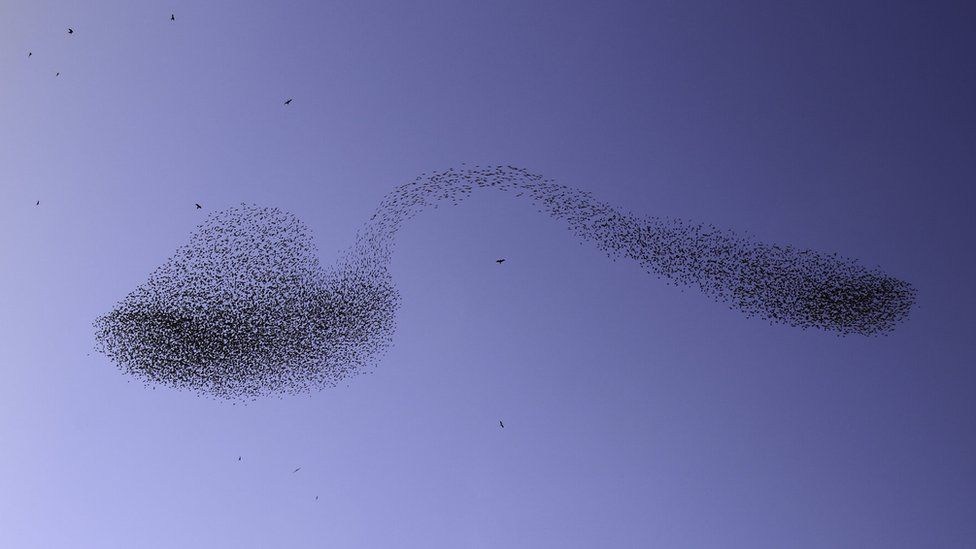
(244, 309)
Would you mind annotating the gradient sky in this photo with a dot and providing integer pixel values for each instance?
(637, 415)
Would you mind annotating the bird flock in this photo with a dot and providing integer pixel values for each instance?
(245, 310)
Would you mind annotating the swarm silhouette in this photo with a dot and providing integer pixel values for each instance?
(245, 310)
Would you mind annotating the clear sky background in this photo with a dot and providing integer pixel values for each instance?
(637, 415)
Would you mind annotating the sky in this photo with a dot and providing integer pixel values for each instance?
(636, 414)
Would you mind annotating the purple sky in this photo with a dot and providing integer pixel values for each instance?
(637, 415)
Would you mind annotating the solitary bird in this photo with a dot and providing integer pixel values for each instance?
(71, 30)
(288, 102)
(38, 203)
(57, 74)
(198, 206)
(172, 17)
(296, 470)
(502, 423)
(30, 53)
(499, 261)
(238, 458)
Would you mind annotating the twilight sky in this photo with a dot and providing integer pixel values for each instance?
(636, 414)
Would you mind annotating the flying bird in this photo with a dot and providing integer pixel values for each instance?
(57, 74)
(198, 206)
(38, 203)
(502, 423)
(296, 470)
(238, 458)
(499, 261)
(71, 30)
(172, 17)
(288, 102)
(30, 53)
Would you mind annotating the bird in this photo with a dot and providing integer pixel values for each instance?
(316, 498)
(288, 102)
(71, 30)
(57, 74)
(296, 470)
(198, 206)
(30, 53)
(238, 458)
(38, 203)
(499, 261)
(172, 17)
(502, 423)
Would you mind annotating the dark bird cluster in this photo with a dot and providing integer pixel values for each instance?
(782, 284)
(244, 309)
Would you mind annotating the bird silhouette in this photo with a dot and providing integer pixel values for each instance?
(57, 74)
(238, 458)
(71, 31)
(296, 470)
(502, 423)
(499, 261)
(172, 17)
(288, 102)
(38, 203)
(198, 206)
(30, 53)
